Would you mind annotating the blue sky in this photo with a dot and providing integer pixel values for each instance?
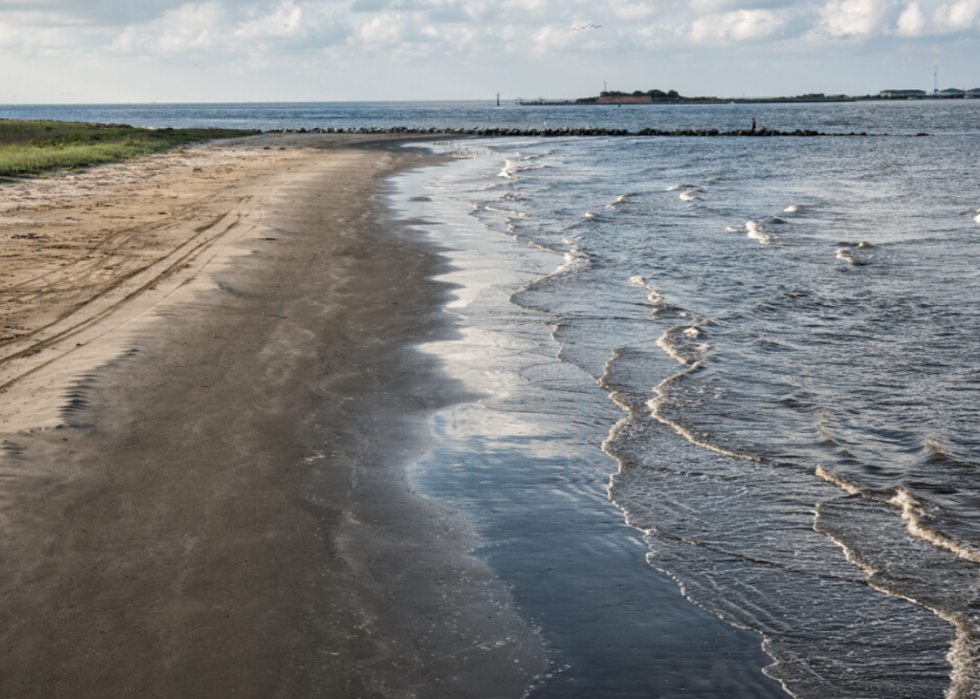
(73, 51)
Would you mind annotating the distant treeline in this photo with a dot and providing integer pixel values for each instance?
(656, 95)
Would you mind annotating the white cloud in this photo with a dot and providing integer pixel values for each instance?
(285, 21)
(213, 26)
(911, 22)
(552, 38)
(853, 18)
(33, 32)
(742, 25)
(509, 39)
(958, 16)
(188, 28)
(633, 11)
(526, 6)
(384, 29)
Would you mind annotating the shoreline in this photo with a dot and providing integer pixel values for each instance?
(525, 465)
(203, 479)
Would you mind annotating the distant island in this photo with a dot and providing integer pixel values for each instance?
(655, 96)
(674, 97)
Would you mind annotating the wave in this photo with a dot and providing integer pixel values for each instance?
(575, 260)
(894, 563)
(757, 231)
(513, 166)
(913, 512)
(509, 170)
(680, 343)
(506, 212)
(661, 399)
(693, 405)
(847, 254)
(659, 308)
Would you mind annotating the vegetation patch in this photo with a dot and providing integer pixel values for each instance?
(29, 147)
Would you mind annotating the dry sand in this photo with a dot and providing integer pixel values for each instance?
(209, 399)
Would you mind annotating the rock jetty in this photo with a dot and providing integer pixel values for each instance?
(565, 131)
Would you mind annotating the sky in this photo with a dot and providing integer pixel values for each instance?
(121, 51)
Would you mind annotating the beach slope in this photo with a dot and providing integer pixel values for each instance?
(210, 400)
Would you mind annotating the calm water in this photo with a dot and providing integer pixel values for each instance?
(761, 354)
(952, 116)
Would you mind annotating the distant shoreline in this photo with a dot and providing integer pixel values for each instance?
(686, 101)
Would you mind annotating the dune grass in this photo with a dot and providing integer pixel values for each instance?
(29, 147)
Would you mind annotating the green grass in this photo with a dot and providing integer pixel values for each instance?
(34, 147)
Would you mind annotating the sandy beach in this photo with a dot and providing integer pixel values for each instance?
(209, 402)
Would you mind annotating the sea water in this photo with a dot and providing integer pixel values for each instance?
(729, 386)
(762, 355)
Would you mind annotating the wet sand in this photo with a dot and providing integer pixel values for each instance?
(209, 402)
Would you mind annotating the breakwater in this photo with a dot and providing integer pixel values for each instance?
(570, 131)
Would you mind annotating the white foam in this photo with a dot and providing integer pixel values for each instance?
(821, 472)
(575, 261)
(734, 229)
(619, 200)
(679, 347)
(977, 218)
(589, 214)
(678, 187)
(692, 194)
(638, 280)
(510, 169)
(913, 513)
(795, 208)
(756, 231)
(714, 179)
(845, 255)
(506, 212)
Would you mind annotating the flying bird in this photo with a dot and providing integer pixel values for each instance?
(581, 27)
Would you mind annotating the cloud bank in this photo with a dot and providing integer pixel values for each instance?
(337, 41)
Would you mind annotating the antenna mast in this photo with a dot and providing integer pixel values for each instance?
(935, 81)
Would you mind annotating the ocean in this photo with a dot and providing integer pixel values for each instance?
(726, 440)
